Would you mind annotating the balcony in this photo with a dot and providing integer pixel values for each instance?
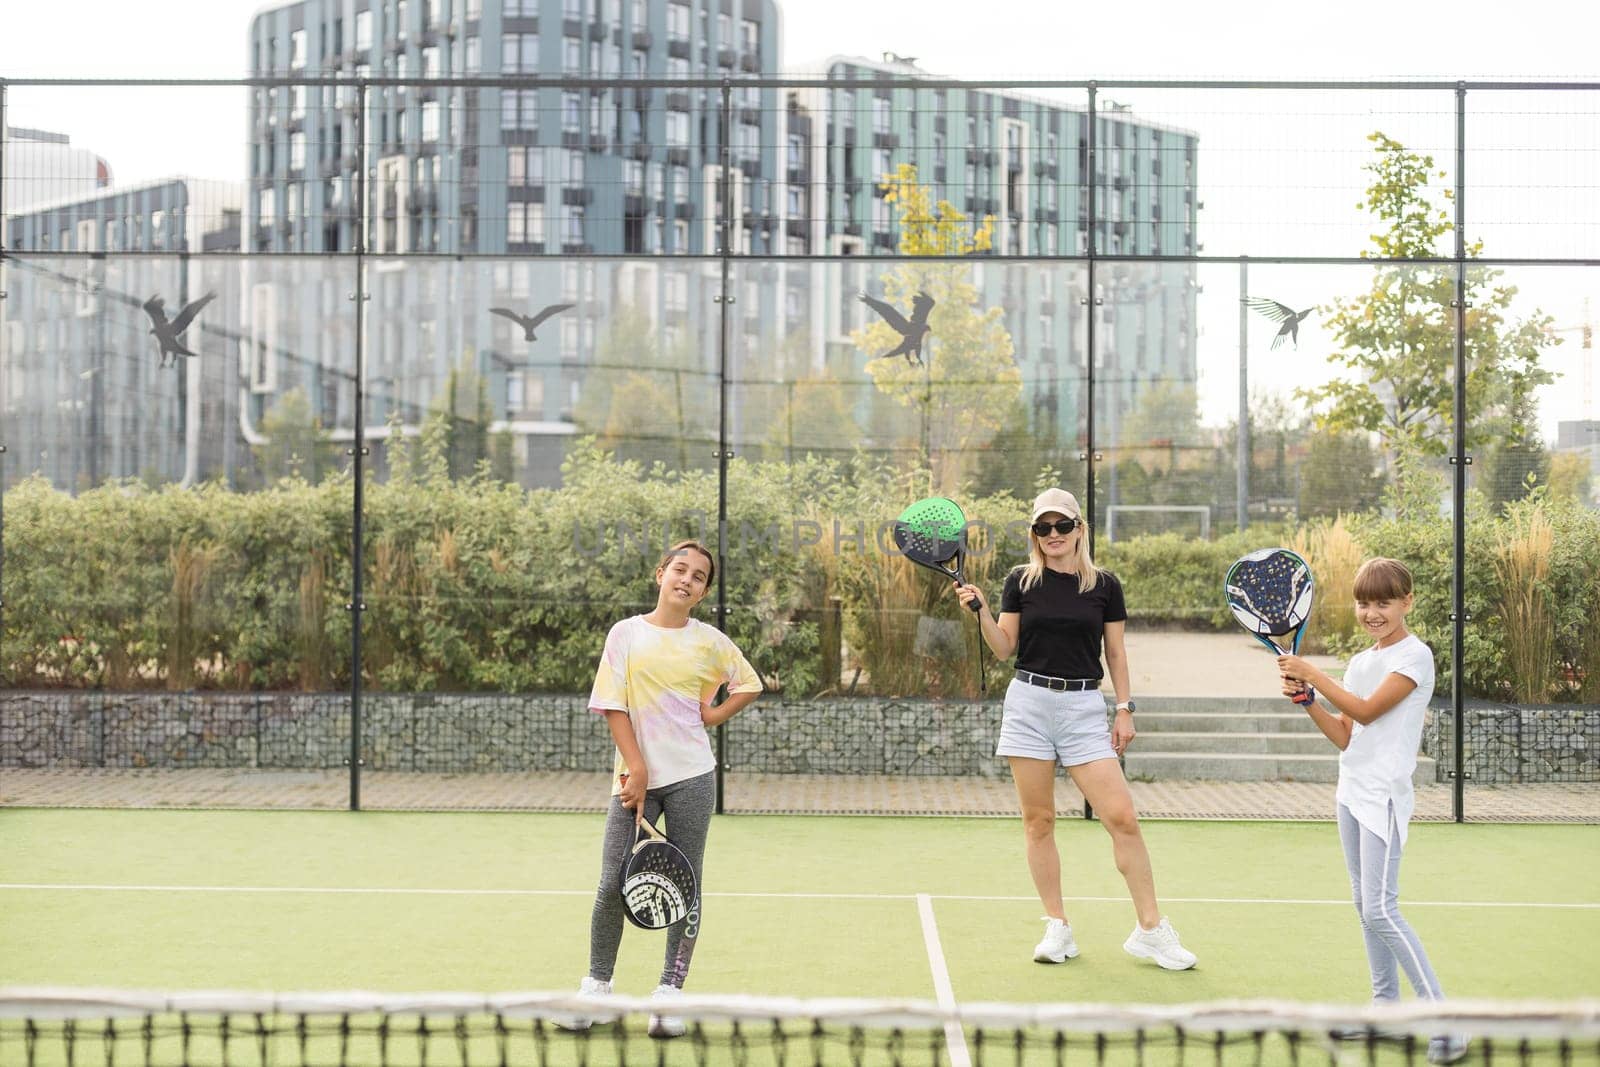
(884, 241)
(678, 156)
(750, 167)
(639, 150)
(598, 142)
(677, 100)
(572, 28)
(1047, 306)
(597, 30)
(684, 210)
(726, 57)
(797, 228)
(750, 116)
(569, 138)
(886, 140)
(678, 47)
(526, 194)
(642, 40)
(579, 195)
(750, 62)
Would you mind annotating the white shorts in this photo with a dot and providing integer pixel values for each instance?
(1067, 728)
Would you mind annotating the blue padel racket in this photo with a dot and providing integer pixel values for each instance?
(1269, 592)
(658, 885)
(932, 533)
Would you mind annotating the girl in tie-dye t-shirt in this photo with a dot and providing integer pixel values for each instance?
(657, 679)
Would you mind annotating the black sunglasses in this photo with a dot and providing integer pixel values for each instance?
(1061, 526)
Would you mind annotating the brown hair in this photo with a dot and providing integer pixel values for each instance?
(1381, 578)
(691, 545)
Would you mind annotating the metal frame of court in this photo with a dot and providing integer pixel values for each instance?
(1093, 259)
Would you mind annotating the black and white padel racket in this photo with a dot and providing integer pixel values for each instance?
(658, 884)
(1269, 592)
(932, 533)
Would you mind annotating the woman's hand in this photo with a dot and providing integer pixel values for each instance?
(968, 593)
(632, 794)
(1296, 668)
(1122, 732)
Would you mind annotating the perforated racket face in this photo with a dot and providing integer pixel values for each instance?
(1269, 591)
(658, 885)
(931, 531)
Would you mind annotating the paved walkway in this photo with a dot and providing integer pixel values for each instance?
(752, 793)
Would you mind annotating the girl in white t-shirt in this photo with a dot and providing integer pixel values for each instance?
(1377, 725)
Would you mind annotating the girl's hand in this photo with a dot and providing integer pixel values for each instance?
(1122, 732)
(1293, 687)
(1295, 667)
(632, 794)
(968, 593)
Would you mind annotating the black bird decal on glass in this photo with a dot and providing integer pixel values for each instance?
(528, 323)
(1283, 313)
(912, 333)
(166, 333)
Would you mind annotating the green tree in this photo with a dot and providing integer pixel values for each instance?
(1339, 475)
(1397, 339)
(295, 446)
(462, 407)
(815, 416)
(645, 402)
(968, 380)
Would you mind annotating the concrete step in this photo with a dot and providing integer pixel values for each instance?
(1282, 743)
(1248, 722)
(1157, 766)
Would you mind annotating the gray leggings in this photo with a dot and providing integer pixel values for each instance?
(1392, 945)
(688, 806)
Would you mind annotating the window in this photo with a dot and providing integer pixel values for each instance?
(677, 129)
(680, 237)
(400, 20)
(572, 9)
(658, 181)
(297, 151)
(571, 113)
(751, 34)
(474, 56)
(525, 224)
(519, 53)
(575, 224)
(430, 62)
(266, 207)
(297, 50)
(571, 55)
(678, 21)
(880, 163)
(519, 109)
(430, 122)
(680, 184)
(880, 115)
(474, 9)
(638, 18)
(633, 171)
(525, 166)
(575, 167)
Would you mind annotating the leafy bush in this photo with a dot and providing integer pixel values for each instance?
(476, 585)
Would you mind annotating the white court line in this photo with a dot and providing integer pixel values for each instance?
(941, 983)
(1342, 902)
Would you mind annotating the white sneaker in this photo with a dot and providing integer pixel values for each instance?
(1058, 945)
(1160, 944)
(589, 987)
(1447, 1048)
(666, 1025)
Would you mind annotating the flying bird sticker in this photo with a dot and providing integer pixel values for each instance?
(1283, 313)
(529, 323)
(168, 334)
(913, 332)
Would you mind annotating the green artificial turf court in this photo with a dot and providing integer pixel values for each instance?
(797, 906)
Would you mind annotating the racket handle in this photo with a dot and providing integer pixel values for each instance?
(975, 606)
(1305, 697)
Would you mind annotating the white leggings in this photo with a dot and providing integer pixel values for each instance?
(1392, 945)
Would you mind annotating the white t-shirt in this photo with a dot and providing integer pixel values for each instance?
(1375, 768)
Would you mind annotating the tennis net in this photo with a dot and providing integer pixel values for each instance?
(72, 1027)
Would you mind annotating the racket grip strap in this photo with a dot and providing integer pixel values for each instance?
(1305, 697)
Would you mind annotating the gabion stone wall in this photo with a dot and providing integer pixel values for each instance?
(466, 732)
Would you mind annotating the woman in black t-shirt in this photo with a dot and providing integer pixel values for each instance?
(1055, 612)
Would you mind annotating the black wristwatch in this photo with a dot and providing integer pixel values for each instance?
(1128, 706)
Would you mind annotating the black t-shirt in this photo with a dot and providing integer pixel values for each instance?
(1061, 629)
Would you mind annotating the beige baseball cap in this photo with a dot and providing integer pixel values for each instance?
(1057, 500)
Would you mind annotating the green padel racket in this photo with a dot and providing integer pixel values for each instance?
(932, 533)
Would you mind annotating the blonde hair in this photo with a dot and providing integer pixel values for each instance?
(1033, 571)
(1382, 578)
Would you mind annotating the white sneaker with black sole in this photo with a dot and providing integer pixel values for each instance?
(1160, 943)
(1058, 945)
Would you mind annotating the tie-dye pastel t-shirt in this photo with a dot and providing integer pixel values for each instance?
(660, 677)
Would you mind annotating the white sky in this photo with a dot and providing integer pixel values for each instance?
(147, 134)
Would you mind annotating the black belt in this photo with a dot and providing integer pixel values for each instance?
(1060, 685)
